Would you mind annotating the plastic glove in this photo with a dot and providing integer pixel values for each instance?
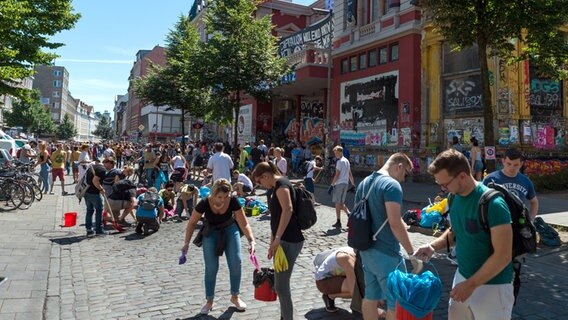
(417, 264)
(183, 258)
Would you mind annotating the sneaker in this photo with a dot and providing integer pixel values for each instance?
(138, 230)
(329, 303)
(90, 233)
(337, 225)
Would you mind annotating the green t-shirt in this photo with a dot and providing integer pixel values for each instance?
(472, 242)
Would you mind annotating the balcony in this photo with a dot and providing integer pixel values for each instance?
(309, 56)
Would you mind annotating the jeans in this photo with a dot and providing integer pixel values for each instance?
(67, 167)
(44, 174)
(234, 261)
(309, 184)
(282, 279)
(94, 204)
(149, 177)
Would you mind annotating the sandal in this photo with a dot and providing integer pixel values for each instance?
(206, 309)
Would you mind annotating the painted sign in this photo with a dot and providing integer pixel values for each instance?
(352, 138)
(462, 94)
(545, 97)
(318, 34)
(370, 105)
(311, 113)
(244, 124)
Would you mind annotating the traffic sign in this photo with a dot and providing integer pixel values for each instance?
(489, 153)
(141, 127)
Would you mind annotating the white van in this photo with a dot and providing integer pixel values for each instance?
(8, 143)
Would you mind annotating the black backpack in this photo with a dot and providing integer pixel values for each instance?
(121, 189)
(304, 209)
(360, 235)
(524, 231)
(149, 200)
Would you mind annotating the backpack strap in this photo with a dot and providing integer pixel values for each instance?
(484, 207)
(366, 198)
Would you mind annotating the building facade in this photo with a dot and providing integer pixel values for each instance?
(53, 83)
(7, 103)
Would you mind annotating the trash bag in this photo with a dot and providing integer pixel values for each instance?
(418, 294)
(429, 219)
(204, 192)
(262, 275)
(411, 217)
(548, 236)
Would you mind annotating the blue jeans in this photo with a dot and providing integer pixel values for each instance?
(94, 204)
(44, 174)
(309, 184)
(67, 167)
(149, 177)
(234, 261)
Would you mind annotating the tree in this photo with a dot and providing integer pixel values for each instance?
(30, 114)
(104, 129)
(179, 84)
(495, 26)
(66, 130)
(241, 55)
(25, 28)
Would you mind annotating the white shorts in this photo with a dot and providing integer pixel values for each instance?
(489, 301)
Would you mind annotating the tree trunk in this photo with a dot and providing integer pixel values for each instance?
(237, 107)
(488, 135)
(183, 131)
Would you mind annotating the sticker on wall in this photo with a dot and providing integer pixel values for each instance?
(489, 153)
(504, 136)
(514, 137)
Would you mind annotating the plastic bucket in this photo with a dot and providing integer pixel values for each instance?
(69, 219)
(264, 292)
(403, 314)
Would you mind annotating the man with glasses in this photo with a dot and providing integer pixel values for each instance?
(482, 286)
(383, 257)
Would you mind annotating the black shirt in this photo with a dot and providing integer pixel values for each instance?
(292, 233)
(109, 177)
(255, 155)
(100, 172)
(204, 207)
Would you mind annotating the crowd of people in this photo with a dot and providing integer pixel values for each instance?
(482, 286)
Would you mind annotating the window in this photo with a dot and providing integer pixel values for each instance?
(57, 83)
(362, 61)
(55, 94)
(170, 123)
(459, 61)
(344, 66)
(353, 63)
(55, 116)
(372, 58)
(383, 58)
(55, 105)
(57, 73)
(394, 52)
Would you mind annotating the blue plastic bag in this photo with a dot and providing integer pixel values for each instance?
(418, 294)
(204, 192)
(429, 219)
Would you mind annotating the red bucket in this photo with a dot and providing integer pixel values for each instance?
(264, 292)
(69, 219)
(402, 314)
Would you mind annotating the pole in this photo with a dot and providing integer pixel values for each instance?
(328, 98)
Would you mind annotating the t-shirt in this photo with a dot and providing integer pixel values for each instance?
(311, 166)
(167, 196)
(148, 160)
(245, 180)
(292, 233)
(343, 166)
(329, 267)
(220, 164)
(58, 159)
(297, 154)
(243, 158)
(109, 177)
(521, 185)
(100, 172)
(473, 244)
(385, 189)
(282, 165)
(145, 213)
(204, 207)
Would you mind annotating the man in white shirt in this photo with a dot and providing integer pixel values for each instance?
(220, 164)
(243, 184)
(340, 184)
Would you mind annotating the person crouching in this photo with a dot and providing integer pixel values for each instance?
(149, 212)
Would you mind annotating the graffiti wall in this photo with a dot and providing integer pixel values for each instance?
(464, 129)
(311, 113)
(369, 108)
(547, 126)
(462, 94)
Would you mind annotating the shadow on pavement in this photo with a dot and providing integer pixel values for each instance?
(228, 314)
(68, 240)
(133, 237)
(342, 314)
(332, 232)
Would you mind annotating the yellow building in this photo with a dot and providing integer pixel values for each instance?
(530, 112)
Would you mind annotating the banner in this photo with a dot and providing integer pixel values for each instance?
(319, 34)
(244, 124)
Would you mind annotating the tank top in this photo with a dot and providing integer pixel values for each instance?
(178, 162)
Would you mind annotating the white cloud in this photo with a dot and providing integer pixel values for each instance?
(120, 51)
(98, 61)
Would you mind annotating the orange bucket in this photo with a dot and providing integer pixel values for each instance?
(403, 314)
(69, 219)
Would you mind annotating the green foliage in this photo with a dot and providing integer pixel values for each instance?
(497, 26)
(557, 181)
(30, 114)
(104, 129)
(241, 57)
(66, 130)
(25, 28)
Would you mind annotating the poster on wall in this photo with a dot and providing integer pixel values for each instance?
(352, 138)
(244, 124)
(462, 94)
(370, 105)
(311, 113)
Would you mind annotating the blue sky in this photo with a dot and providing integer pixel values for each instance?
(100, 50)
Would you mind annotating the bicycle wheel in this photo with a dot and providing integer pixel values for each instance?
(11, 196)
(37, 192)
(29, 196)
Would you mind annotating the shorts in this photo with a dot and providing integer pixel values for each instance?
(177, 175)
(477, 166)
(339, 193)
(117, 205)
(330, 285)
(59, 172)
(376, 267)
